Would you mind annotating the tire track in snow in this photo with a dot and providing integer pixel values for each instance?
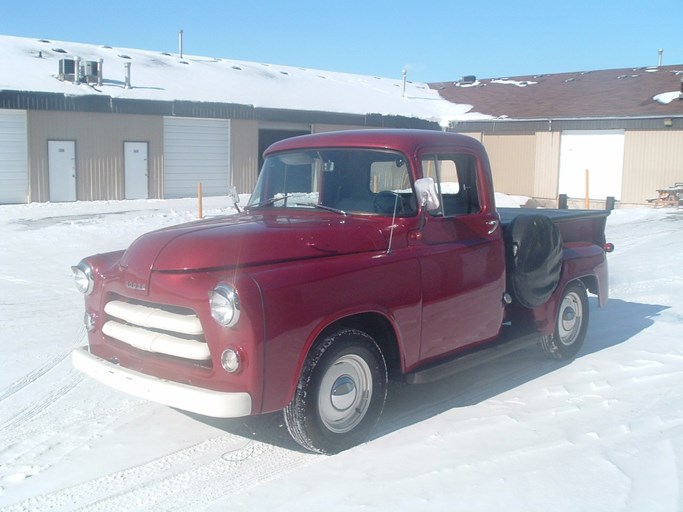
(66, 383)
(194, 477)
(32, 376)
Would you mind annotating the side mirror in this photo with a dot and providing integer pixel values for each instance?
(234, 196)
(427, 194)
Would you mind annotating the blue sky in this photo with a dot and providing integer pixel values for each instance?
(435, 41)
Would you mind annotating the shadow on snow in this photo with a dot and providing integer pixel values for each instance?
(409, 404)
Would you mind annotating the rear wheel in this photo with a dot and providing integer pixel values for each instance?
(340, 394)
(571, 324)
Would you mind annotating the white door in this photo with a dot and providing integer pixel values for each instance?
(599, 151)
(135, 170)
(61, 158)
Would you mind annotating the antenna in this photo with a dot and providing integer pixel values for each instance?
(180, 43)
(393, 225)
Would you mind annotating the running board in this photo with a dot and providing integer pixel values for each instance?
(505, 346)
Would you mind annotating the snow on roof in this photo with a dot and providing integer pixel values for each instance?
(667, 97)
(33, 65)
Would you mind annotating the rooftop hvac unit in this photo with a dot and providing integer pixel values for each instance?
(90, 71)
(67, 69)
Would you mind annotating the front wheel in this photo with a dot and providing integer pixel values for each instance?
(571, 324)
(340, 394)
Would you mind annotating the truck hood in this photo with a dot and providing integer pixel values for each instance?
(250, 239)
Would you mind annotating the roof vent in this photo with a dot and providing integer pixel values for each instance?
(468, 79)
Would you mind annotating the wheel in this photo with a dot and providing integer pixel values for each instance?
(340, 394)
(387, 200)
(571, 324)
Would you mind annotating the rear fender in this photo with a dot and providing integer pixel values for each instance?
(581, 261)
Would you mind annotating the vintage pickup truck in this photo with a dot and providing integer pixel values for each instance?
(360, 256)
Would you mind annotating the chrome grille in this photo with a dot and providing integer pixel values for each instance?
(156, 328)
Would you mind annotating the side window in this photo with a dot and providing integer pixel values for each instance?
(455, 176)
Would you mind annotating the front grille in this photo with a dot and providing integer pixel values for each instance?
(157, 328)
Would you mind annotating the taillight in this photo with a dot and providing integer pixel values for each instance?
(608, 247)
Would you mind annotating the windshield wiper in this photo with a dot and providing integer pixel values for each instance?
(269, 201)
(323, 207)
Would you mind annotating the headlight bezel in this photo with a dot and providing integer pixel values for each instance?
(224, 305)
(83, 277)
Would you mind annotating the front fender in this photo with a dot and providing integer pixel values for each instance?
(300, 303)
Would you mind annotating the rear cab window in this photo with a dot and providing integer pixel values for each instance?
(455, 176)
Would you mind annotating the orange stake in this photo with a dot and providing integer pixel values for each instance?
(587, 190)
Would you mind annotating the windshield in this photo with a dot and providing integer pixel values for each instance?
(344, 180)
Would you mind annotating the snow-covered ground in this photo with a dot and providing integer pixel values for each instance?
(602, 433)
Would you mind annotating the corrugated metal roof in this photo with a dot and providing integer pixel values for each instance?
(25, 100)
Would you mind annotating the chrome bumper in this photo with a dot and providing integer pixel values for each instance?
(208, 402)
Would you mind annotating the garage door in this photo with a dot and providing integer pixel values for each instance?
(196, 150)
(13, 157)
(602, 153)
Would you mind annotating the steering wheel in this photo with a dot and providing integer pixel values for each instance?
(386, 200)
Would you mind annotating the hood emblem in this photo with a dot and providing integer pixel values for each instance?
(141, 287)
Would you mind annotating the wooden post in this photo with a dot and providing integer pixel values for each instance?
(587, 190)
(199, 200)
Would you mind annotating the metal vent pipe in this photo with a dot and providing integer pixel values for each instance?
(127, 65)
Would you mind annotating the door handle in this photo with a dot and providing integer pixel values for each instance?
(492, 225)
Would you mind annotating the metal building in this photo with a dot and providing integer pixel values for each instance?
(615, 133)
(82, 122)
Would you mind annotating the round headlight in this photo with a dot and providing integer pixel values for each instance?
(83, 277)
(225, 305)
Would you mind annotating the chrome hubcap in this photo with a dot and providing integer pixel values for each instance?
(570, 319)
(345, 393)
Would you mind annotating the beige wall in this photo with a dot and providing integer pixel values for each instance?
(547, 165)
(99, 151)
(513, 161)
(652, 160)
(526, 164)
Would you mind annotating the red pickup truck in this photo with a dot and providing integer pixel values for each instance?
(360, 256)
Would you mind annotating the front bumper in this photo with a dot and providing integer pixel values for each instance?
(218, 404)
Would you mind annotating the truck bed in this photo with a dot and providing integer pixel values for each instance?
(574, 225)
